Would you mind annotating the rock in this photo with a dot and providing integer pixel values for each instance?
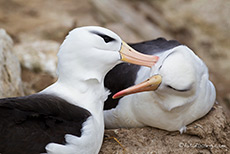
(210, 134)
(38, 56)
(133, 19)
(10, 71)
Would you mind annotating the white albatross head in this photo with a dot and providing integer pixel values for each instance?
(178, 78)
(90, 52)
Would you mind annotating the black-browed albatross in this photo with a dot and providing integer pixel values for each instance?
(178, 93)
(67, 117)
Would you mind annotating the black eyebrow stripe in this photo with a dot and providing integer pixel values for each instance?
(104, 36)
(96, 32)
(180, 90)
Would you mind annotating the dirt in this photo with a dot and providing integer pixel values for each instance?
(210, 134)
(35, 81)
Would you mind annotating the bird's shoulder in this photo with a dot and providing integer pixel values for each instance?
(44, 104)
(155, 46)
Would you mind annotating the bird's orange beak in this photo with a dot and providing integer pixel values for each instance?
(130, 55)
(150, 84)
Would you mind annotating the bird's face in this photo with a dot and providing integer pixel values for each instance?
(97, 47)
(176, 74)
(179, 73)
(88, 53)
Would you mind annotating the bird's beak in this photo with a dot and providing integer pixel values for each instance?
(130, 55)
(150, 84)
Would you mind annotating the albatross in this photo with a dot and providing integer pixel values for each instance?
(177, 90)
(67, 117)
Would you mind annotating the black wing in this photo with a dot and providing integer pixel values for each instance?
(155, 46)
(124, 75)
(28, 124)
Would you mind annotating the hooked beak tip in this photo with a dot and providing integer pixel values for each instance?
(151, 84)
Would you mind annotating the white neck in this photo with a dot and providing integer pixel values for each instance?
(81, 69)
(91, 96)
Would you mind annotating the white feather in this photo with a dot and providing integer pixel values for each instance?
(167, 108)
(83, 61)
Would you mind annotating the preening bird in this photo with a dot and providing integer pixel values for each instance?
(177, 90)
(67, 117)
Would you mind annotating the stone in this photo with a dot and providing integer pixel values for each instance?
(134, 21)
(10, 71)
(38, 56)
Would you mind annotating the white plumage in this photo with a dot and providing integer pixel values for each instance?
(85, 57)
(80, 72)
(184, 95)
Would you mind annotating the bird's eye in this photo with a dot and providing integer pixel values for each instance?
(106, 38)
(180, 90)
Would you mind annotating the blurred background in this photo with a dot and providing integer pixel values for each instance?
(38, 27)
